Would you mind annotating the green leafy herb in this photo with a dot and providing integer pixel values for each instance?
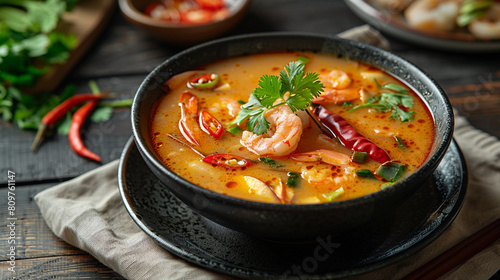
(271, 162)
(234, 130)
(293, 179)
(29, 47)
(347, 104)
(400, 142)
(391, 102)
(301, 90)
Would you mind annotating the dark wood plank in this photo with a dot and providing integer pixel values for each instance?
(33, 237)
(63, 267)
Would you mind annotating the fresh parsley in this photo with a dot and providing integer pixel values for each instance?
(291, 87)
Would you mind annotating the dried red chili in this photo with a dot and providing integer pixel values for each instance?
(227, 160)
(74, 136)
(211, 125)
(348, 135)
(57, 113)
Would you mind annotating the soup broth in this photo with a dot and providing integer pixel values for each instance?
(311, 178)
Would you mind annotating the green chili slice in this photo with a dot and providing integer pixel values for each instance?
(204, 81)
(334, 195)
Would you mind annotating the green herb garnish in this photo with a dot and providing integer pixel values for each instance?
(29, 47)
(391, 102)
(471, 10)
(293, 179)
(234, 130)
(400, 142)
(301, 90)
(271, 162)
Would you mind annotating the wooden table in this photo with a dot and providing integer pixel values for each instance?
(120, 60)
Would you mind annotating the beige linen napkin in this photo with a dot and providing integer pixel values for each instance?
(87, 212)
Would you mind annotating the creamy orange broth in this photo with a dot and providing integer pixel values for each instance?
(242, 74)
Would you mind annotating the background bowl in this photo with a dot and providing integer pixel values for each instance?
(181, 34)
(290, 222)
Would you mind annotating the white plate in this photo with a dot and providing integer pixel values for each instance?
(395, 25)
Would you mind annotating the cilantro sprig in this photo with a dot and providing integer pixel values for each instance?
(291, 87)
(391, 101)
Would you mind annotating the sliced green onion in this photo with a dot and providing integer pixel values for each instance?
(242, 102)
(386, 185)
(347, 104)
(472, 9)
(293, 179)
(234, 130)
(334, 195)
(359, 157)
(365, 173)
(401, 143)
(391, 172)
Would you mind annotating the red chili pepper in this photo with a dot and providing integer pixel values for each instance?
(151, 7)
(211, 4)
(348, 135)
(74, 137)
(211, 125)
(227, 160)
(59, 112)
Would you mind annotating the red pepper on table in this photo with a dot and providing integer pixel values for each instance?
(211, 125)
(74, 136)
(57, 113)
(227, 160)
(348, 135)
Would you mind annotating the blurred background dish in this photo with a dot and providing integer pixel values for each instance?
(184, 22)
(392, 21)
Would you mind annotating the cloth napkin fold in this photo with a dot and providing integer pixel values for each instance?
(88, 213)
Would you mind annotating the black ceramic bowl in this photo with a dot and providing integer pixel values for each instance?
(290, 222)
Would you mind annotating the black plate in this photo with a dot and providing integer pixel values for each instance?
(384, 241)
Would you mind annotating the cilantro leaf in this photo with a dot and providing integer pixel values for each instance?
(268, 91)
(391, 102)
(292, 87)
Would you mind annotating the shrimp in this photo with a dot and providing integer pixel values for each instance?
(281, 138)
(487, 27)
(189, 111)
(433, 15)
(326, 156)
(335, 79)
(336, 90)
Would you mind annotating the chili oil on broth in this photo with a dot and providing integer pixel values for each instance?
(242, 74)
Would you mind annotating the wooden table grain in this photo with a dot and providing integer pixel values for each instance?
(119, 61)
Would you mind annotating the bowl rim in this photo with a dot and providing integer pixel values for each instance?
(430, 164)
(133, 13)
